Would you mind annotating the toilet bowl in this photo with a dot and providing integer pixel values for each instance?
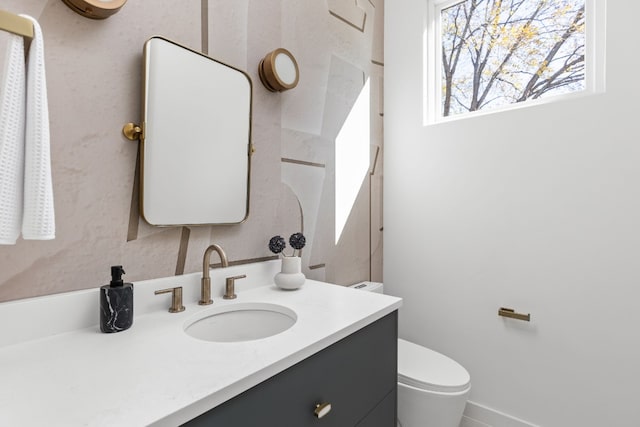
(432, 388)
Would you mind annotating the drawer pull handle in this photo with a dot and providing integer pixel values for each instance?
(322, 409)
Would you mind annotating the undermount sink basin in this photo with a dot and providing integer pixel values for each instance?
(240, 322)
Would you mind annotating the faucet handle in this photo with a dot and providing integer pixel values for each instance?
(176, 298)
(230, 287)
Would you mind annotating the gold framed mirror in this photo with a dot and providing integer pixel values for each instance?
(195, 139)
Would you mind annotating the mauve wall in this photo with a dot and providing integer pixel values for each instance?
(94, 78)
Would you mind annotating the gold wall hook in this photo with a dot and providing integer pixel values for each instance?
(16, 24)
(132, 131)
(511, 313)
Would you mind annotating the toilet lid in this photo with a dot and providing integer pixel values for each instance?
(426, 369)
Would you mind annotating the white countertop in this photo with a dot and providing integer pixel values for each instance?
(155, 374)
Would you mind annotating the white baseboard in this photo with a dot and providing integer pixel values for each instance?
(469, 422)
(476, 415)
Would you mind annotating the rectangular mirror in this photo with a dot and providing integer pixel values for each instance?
(195, 147)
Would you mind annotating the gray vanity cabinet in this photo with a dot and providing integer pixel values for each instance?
(357, 376)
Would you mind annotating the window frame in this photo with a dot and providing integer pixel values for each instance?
(432, 62)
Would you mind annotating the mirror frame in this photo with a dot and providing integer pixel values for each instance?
(143, 140)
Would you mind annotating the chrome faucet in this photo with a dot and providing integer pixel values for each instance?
(205, 296)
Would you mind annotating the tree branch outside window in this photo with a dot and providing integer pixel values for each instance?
(500, 52)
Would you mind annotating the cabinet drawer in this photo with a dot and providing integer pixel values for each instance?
(384, 414)
(354, 375)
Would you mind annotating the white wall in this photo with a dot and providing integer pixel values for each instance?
(536, 209)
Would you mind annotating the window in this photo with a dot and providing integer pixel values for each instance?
(489, 54)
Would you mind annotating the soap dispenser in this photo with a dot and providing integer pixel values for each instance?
(116, 303)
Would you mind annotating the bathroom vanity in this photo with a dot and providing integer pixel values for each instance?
(341, 350)
(357, 376)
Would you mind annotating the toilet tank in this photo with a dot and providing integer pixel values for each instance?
(377, 287)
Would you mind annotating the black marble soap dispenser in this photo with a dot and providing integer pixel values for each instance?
(116, 303)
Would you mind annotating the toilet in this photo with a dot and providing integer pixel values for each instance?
(432, 388)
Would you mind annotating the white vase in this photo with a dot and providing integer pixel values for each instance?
(290, 276)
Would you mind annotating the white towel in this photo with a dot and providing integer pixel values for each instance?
(12, 128)
(38, 222)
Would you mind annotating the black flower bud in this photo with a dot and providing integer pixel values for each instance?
(297, 241)
(277, 244)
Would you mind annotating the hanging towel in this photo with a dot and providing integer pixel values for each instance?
(12, 128)
(38, 222)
